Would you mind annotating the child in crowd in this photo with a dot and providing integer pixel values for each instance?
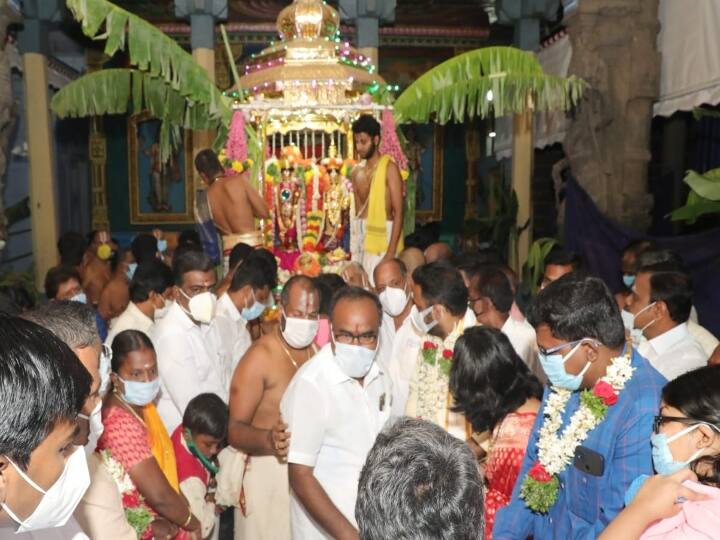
(197, 442)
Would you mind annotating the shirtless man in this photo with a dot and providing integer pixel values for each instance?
(234, 203)
(255, 427)
(366, 132)
(96, 272)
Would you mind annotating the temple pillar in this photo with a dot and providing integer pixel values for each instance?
(608, 139)
(526, 16)
(8, 114)
(202, 15)
(367, 16)
(33, 43)
(97, 150)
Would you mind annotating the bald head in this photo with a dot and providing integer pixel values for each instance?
(412, 257)
(437, 252)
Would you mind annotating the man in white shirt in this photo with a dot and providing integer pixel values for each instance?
(393, 289)
(335, 406)
(245, 300)
(491, 299)
(660, 304)
(190, 356)
(151, 291)
(441, 315)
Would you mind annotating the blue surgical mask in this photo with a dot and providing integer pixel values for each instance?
(628, 280)
(80, 298)
(254, 311)
(162, 245)
(663, 460)
(131, 270)
(554, 367)
(141, 393)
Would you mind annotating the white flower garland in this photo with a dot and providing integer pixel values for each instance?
(118, 473)
(432, 383)
(556, 453)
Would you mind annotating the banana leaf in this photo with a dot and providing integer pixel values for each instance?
(150, 50)
(534, 267)
(458, 88)
(707, 185)
(120, 91)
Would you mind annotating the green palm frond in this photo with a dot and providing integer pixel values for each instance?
(458, 88)
(120, 91)
(151, 51)
(704, 196)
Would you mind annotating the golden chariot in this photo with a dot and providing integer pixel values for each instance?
(301, 96)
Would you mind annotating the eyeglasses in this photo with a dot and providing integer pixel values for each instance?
(555, 349)
(368, 338)
(659, 420)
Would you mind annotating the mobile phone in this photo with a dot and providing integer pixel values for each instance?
(589, 461)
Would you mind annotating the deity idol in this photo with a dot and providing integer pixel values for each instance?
(288, 194)
(337, 200)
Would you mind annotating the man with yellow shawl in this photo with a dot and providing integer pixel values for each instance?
(377, 227)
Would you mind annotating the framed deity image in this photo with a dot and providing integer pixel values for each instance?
(425, 160)
(159, 193)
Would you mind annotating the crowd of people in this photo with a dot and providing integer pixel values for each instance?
(151, 396)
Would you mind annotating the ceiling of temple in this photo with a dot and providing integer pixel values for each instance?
(465, 13)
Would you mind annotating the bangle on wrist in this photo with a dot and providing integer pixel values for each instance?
(188, 520)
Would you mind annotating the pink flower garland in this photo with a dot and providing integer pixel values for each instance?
(389, 143)
(236, 147)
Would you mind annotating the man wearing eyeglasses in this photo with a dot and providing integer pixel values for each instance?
(335, 406)
(584, 353)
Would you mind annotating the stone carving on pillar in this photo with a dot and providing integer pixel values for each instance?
(8, 110)
(98, 155)
(608, 139)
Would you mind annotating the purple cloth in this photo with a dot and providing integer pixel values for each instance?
(600, 241)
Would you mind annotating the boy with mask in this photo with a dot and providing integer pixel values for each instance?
(256, 427)
(190, 354)
(591, 437)
(43, 386)
(335, 406)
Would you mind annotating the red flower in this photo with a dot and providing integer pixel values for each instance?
(429, 345)
(605, 391)
(131, 499)
(538, 472)
(447, 353)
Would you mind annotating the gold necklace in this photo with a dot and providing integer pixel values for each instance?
(284, 348)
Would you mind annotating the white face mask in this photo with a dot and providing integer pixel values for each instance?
(354, 360)
(161, 312)
(80, 298)
(96, 427)
(648, 325)
(201, 306)
(393, 300)
(59, 502)
(418, 319)
(299, 333)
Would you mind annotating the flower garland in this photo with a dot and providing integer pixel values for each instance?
(234, 165)
(433, 375)
(541, 485)
(312, 230)
(137, 513)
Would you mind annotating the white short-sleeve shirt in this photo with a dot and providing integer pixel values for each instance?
(334, 422)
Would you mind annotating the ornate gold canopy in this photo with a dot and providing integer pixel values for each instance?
(311, 65)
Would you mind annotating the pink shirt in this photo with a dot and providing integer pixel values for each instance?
(698, 520)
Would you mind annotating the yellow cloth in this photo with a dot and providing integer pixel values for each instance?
(376, 237)
(161, 445)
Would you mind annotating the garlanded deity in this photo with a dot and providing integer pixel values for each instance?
(337, 200)
(288, 194)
